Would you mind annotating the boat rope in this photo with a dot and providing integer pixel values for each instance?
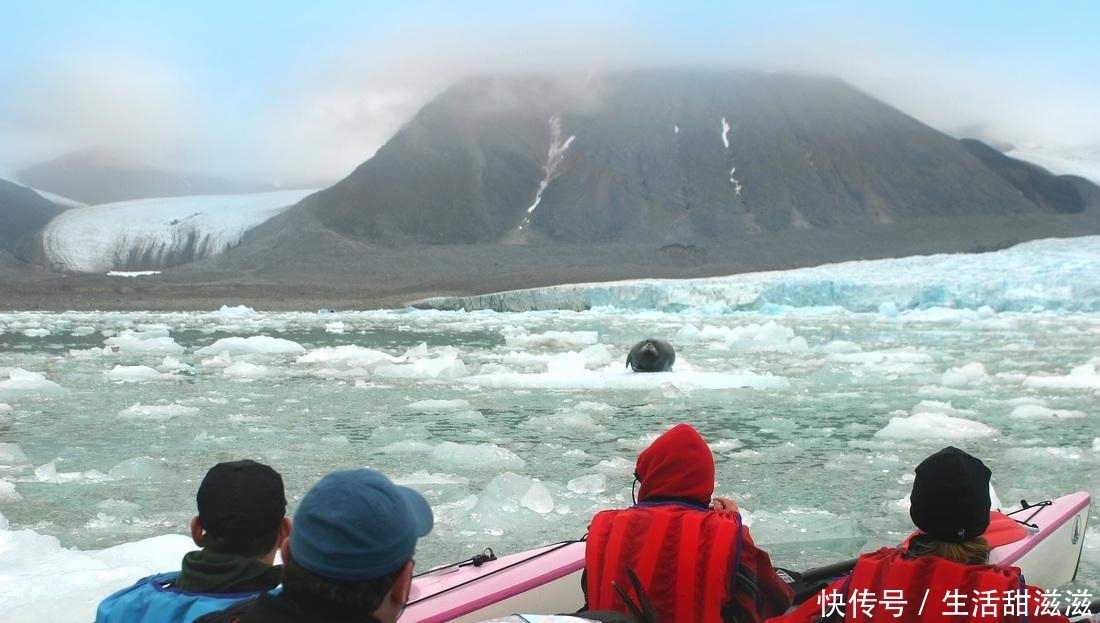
(476, 560)
(483, 559)
(1024, 506)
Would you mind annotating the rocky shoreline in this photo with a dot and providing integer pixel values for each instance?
(394, 277)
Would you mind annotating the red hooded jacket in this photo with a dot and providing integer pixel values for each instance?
(694, 564)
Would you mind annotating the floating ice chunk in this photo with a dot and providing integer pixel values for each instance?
(1034, 411)
(476, 456)
(930, 420)
(688, 333)
(139, 468)
(134, 374)
(538, 498)
(800, 525)
(969, 374)
(11, 455)
(446, 366)
(566, 363)
(407, 446)
(119, 508)
(1081, 377)
(252, 345)
(47, 473)
(420, 350)
(137, 343)
(219, 360)
(726, 445)
(1044, 455)
(561, 421)
(138, 411)
(422, 479)
(509, 498)
(888, 309)
(8, 493)
(39, 332)
(770, 336)
(1096, 444)
(236, 311)
(172, 364)
(588, 484)
(618, 378)
(63, 584)
(334, 327)
(245, 370)
(841, 346)
(440, 405)
(518, 337)
(347, 356)
(596, 355)
(26, 384)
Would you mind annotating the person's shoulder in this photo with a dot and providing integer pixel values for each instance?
(232, 613)
(155, 582)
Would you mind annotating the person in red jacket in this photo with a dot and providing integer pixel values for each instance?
(688, 554)
(941, 574)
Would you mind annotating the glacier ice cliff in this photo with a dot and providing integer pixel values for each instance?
(1053, 274)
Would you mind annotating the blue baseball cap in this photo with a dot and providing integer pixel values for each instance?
(358, 525)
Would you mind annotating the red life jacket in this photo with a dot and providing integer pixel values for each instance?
(885, 585)
(686, 559)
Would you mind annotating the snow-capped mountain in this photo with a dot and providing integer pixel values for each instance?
(150, 234)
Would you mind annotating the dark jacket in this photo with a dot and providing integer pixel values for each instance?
(282, 608)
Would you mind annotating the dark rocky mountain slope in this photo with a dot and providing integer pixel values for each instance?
(506, 183)
(661, 157)
(23, 213)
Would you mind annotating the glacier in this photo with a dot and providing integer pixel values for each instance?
(156, 233)
(1050, 274)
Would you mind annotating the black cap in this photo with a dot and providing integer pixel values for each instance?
(950, 499)
(239, 499)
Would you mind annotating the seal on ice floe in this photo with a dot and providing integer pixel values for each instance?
(651, 355)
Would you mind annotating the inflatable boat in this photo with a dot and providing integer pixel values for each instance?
(1044, 539)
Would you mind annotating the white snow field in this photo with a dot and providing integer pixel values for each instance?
(151, 233)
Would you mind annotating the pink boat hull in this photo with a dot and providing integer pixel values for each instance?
(546, 580)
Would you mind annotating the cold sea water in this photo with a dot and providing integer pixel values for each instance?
(818, 390)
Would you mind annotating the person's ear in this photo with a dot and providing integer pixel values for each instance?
(197, 532)
(402, 586)
(284, 532)
(284, 549)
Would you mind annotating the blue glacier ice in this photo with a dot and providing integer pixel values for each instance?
(1051, 274)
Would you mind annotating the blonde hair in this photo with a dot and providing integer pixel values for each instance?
(970, 552)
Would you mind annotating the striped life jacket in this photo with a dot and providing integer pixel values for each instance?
(885, 585)
(689, 561)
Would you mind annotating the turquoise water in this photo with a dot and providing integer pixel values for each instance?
(518, 427)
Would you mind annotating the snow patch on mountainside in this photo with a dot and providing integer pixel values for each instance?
(150, 234)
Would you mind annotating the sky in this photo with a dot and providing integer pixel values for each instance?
(294, 92)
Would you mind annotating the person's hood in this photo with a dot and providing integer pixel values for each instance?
(678, 464)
